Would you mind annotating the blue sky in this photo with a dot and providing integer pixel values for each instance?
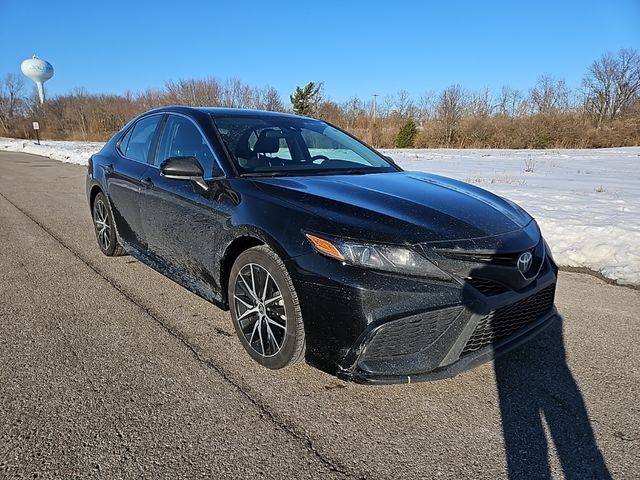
(357, 47)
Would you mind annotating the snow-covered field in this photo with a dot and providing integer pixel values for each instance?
(68, 152)
(587, 202)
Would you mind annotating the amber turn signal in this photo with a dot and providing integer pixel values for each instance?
(324, 246)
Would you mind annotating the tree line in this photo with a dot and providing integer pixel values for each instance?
(603, 112)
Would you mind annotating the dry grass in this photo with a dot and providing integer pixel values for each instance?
(530, 165)
(506, 179)
(83, 116)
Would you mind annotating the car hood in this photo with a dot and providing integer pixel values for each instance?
(398, 207)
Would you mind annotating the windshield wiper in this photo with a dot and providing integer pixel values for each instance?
(313, 173)
(347, 171)
(265, 174)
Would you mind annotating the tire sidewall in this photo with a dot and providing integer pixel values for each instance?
(260, 257)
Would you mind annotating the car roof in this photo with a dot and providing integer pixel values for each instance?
(225, 112)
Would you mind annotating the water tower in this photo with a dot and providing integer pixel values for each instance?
(39, 71)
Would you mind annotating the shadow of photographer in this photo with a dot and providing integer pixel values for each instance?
(541, 405)
(540, 398)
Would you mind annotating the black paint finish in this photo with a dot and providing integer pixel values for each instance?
(191, 230)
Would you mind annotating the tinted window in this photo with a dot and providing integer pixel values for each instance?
(181, 138)
(141, 138)
(290, 145)
(124, 141)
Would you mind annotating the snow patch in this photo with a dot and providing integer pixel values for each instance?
(67, 152)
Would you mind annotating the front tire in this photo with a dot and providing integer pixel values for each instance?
(105, 227)
(265, 309)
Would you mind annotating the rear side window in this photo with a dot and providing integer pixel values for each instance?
(136, 144)
(124, 141)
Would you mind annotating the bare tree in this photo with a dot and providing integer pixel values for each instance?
(450, 109)
(268, 98)
(330, 111)
(549, 95)
(354, 109)
(385, 107)
(510, 102)
(479, 104)
(612, 85)
(206, 92)
(152, 98)
(235, 94)
(81, 107)
(404, 105)
(320, 97)
(426, 107)
(11, 98)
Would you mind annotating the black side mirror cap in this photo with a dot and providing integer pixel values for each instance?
(181, 168)
(185, 168)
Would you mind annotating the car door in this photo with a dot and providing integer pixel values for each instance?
(123, 178)
(183, 224)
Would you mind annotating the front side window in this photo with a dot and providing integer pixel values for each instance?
(275, 145)
(181, 138)
(138, 143)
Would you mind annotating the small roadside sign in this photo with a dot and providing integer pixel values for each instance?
(36, 127)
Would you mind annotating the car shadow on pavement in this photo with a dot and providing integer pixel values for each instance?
(540, 398)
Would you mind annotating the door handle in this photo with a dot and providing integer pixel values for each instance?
(108, 169)
(147, 182)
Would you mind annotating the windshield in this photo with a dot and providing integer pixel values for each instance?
(273, 145)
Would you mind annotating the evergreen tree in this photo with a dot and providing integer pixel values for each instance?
(407, 135)
(304, 100)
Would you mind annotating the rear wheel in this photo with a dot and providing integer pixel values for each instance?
(264, 308)
(104, 227)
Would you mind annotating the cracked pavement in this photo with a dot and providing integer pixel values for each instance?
(110, 370)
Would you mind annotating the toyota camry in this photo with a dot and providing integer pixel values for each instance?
(322, 248)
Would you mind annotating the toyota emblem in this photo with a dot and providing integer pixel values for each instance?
(524, 262)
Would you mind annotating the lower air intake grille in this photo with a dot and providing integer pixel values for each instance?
(410, 335)
(487, 287)
(506, 320)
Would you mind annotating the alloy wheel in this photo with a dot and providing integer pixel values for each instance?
(102, 224)
(260, 307)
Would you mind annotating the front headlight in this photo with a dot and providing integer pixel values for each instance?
(389, 258)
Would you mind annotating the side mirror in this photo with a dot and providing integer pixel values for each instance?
(184, 168)
(181, 168)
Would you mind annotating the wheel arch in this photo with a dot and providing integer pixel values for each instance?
(95, 190)
(233, 250)
(245, 241)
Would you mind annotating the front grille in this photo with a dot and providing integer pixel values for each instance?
(508, 259)
(506, 320)
(411, 334)
(486, 286)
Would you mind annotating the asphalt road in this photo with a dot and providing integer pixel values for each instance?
(109, 370)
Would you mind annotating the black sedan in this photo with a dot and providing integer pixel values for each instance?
(321, 247)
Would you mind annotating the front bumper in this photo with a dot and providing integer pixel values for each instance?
(466, 362)
(372, 327)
